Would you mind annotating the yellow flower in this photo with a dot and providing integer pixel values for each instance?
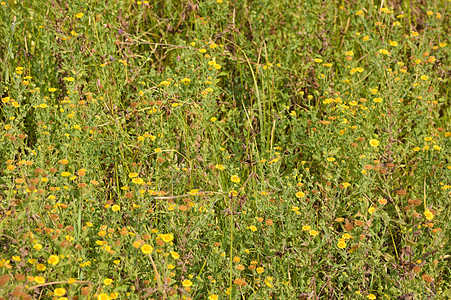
(39, 279)
(393, 43)
(374, 143)
(260, 270)
(371, 210)
(371, 297)
(213, 296)
(268, 281)
(253, 228)
(40, 267)
(53, 259)
(313, 232)
(103, 296)
(318, 60)
(428, 214)
(300, 194)
(330, 159)
(187, 283)
(166, 237)
(175, 255)
(346, 236)
(79, 15)
(341, 244)
(424, 77)
(220, 167)
(235, 179)
(115, 207)
(108, 281)
(59, 292)
(133, 175)
(146, 249)
(186, 80)
(377, 100)
(306, 228)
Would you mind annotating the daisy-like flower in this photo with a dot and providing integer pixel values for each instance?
(374, 143)
(146, 249)
(187, 283)
(235, 179)
(53, 260)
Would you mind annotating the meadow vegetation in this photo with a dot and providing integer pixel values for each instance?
(225, 149)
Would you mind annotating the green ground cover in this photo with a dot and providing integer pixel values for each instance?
(225, 149)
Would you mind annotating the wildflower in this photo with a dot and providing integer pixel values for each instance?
(213, 119)
(377, 100)
(103, 296)
(268, 281)
(346, 236)
(213, 296)
(371, 210)
(187, 283)
(374, 143)
(108, 281)
(383, 51)
(313, 232)
(428, 214)
(341, 244)
(235, 179)
(330, 159)
(146, 249)
(393, 43)
(79, 15)
(37, 247)
(220, 167)
(115, 207)
(59, 292)
(318, 60)
(382, 201)
(175, 255)
(39, 279)
(193, 192)
(253, 228)
(53, 260)
(371, 297)
(186, 80)
(300, 194)
(166, 237)
(306, 228)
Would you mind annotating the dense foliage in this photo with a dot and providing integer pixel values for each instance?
(225, 149)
